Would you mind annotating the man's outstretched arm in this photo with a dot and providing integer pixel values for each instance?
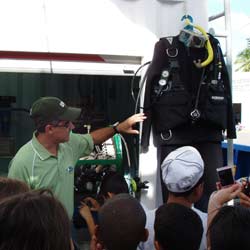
(101, 135)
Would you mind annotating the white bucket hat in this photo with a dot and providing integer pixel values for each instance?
(182, 169)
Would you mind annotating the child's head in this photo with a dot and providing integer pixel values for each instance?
(34, 219)
(230, 228)
(122, 223)
(113, 183)
(177, 227)
(9, 187)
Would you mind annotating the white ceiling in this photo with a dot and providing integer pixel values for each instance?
(110, 27)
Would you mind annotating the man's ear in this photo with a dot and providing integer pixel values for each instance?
(145, 235)
(48, 129)
(157, 245)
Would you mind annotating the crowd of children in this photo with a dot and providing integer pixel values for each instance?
(37, 219)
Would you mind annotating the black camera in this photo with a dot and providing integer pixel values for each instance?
(225, 175)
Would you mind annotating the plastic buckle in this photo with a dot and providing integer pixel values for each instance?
(195, 114)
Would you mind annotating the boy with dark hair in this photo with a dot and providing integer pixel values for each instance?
(229, 229)
(177, 227)
(183, 175)
(34, 220)
(113, 183)
(121, 223)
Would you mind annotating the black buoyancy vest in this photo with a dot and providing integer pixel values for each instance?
(178, 93)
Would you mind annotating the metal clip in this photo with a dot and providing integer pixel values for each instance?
(167, 138)
(174, 54)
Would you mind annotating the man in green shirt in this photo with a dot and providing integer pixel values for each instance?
(48, 159)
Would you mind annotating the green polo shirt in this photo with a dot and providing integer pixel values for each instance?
(34, 165)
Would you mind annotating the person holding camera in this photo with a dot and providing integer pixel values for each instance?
(228, 222)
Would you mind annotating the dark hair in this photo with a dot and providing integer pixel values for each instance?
(113, 182)
(10, 187)
(187, 193)
(33, 220)
(177, 227)
(230, 229)
(41, 123)
(121, 223)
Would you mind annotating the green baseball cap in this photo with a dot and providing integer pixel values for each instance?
(52, 108)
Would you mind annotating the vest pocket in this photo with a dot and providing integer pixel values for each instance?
(215, 110)
(171, 110)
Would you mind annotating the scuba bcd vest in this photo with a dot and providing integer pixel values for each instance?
(178, 93)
